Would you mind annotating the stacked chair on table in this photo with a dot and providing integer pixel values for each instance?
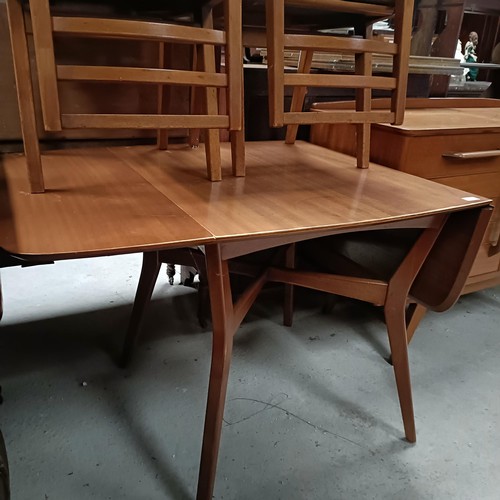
(303, 25)
(196, 30)
(165, 24)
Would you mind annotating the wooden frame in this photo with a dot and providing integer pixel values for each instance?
(204, 75)
(362, 80)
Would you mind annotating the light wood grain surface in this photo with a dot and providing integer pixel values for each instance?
(115, 200)
(96, 206)
(290, 188)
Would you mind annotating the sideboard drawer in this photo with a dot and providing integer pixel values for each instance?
(417, 155)
(420, 152)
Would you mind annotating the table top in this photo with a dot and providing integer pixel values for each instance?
(94, 205)
(104, 201)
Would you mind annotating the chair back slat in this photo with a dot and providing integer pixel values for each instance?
(339, 44)
(138, 30)
(339, 81)
(140, 75)
(338, 116)
(143, 121)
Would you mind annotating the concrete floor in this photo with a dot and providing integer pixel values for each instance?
(311, 411)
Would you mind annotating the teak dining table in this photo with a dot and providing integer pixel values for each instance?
(115, 200)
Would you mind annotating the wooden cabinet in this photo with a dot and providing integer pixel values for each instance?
(433, 130)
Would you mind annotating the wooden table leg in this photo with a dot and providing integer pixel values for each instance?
(222, 345)
(395, 318)
(395, 321)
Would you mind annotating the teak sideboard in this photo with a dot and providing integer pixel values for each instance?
(455, 142)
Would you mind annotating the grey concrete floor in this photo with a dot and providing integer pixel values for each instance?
(311, 411)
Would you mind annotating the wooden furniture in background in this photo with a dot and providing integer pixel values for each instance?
(204, 36)
(455, 142)
(279, 38)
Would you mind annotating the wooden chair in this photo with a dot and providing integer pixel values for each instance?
(361, 15)
(423, 256)
(202, 36)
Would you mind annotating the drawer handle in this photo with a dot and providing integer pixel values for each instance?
(471, 155)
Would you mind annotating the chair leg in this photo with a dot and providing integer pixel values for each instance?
(396, 328)
(164, 93)
(238, 152)
(150, 268)
(402, 38)
(275, 33)
(194, 103)
(25, 98)
(237, 138)
(206, 56)
(363, 66)
(234, 62)
(299, 94)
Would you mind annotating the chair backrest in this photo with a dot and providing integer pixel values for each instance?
(204, 76)
(362, 48)
(46, 26)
